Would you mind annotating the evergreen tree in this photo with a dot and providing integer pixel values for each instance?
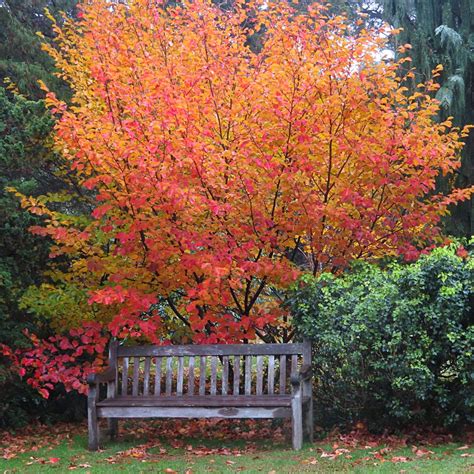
(21, 57)
(442, 32)
(26, 163)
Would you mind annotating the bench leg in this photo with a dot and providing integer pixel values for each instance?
(113, 428)
(93, 443)
(297, 420)
(308, 421)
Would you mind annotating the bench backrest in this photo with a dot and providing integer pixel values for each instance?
(219, 369)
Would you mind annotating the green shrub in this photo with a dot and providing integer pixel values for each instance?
(22, 404)
(392, 347)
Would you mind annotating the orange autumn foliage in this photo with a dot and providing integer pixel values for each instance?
(217, 166)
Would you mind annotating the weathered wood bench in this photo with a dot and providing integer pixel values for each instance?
(204, 381)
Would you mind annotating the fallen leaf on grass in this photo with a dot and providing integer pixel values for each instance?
(467, 455)
(324, 454)
(137, 452)
(420, 452)
(309, 461)
(381, 453)
(41, 461)
(205, 451)
(168, 470)
(8, 455)
(466, 446)
(400, 459)
(335, 454)
(35, 436)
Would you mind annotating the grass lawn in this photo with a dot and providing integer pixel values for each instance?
(194, 447)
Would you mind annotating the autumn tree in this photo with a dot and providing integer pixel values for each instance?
(221, 172)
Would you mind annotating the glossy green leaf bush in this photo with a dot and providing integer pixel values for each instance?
(392, 346)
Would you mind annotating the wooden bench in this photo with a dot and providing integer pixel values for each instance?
(204, 381)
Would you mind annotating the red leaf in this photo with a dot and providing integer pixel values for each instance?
(44, 393)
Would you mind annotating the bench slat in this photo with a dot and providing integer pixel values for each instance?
(124, 376)
(146, 378)
(202, 376)
(294, 365)
(180, 376)
(236, 374)
(194, 412)
(191, 376)
(158, 362)
(282, 374)
(112, 387)
(203, 401)
(259, 388)
(271, 374)
(248, 375)
(225, 374)
(210, 350)
(213, 375)
(136, 373)
(169, 375)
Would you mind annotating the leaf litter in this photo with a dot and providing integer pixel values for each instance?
(254, 436)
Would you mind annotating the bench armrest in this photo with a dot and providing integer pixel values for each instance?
(106, 375)
(304, 374)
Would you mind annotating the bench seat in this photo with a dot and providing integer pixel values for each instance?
(201, 401)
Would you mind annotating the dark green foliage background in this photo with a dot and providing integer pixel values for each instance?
(392, 347)
(21, 57)
(27, 163)
(442, 32)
